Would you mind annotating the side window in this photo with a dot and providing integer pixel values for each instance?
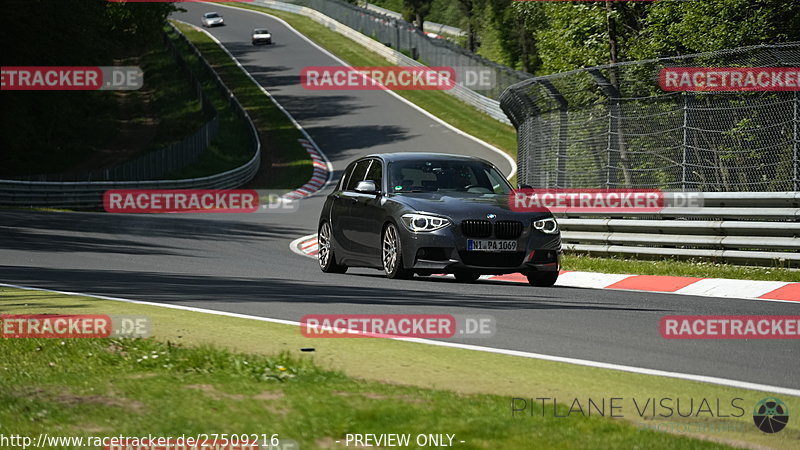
(346, 176)
(358, 175)
(374, 173)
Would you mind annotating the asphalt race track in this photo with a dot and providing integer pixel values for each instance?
(242, 263)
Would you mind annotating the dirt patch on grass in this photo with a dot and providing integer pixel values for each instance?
(65, 397)
(215, 393)
(376, 396)
(269, 395)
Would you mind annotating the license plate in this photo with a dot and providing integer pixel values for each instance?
(476, 245)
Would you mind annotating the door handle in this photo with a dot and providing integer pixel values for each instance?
(354, 201)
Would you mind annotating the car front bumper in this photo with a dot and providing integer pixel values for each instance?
(445, 251)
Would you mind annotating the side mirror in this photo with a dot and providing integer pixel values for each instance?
(524, 186)
(367, 187)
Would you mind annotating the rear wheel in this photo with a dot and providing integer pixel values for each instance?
(325, 255)
(542, 279)
(392, 255)
(467, 277)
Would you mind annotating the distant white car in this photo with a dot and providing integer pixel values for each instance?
(212, 19)
(261, 36)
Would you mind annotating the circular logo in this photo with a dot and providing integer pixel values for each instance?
(491, 216)
(770, 415)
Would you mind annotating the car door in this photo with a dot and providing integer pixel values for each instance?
(338, 211)
(346, 223)
(369, 214)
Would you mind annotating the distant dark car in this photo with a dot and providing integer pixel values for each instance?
(261, 36)
(430, 213)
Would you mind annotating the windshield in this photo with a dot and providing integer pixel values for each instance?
(474, 177)
(261, 31)
(211, 15)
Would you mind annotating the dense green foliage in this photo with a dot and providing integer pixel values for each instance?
(44, 131)
(74, 32)
(550, 37)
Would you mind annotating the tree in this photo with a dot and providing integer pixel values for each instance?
(470, 9)
(416, 11)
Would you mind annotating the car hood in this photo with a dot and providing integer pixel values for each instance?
(464, 206)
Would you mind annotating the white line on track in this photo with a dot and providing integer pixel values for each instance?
(500, 351)
(491, 147)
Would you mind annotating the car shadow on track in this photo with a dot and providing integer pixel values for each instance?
(241, 294)
(123, 233)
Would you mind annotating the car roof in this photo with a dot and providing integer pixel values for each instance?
(415, 156)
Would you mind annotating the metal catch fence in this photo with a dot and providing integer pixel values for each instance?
(614, 127)
(404, 37)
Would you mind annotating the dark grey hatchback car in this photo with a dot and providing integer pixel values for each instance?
(429, 213)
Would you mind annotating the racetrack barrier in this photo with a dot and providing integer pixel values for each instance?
(740, 227)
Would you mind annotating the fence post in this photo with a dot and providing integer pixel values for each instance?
(796, 143)
(685, 139)
(563, 129)
(614, 144)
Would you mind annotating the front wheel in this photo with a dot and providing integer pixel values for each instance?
(392, 255)
(542, 279)
(325, 254)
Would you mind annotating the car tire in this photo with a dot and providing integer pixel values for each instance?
(325, 253)
(392, 254)
(467, 277)
(542, 279)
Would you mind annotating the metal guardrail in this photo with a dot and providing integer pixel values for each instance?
(89, 194)
(758, 227)
(428, 26)
(476, 100)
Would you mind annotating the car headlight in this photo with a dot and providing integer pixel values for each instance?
(547, 226)
(424, 222)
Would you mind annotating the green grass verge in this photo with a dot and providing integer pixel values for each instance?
(175, 106)
(290, 163)
(442, 105)
(98, 387)
(232, 146)
(699, 269)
